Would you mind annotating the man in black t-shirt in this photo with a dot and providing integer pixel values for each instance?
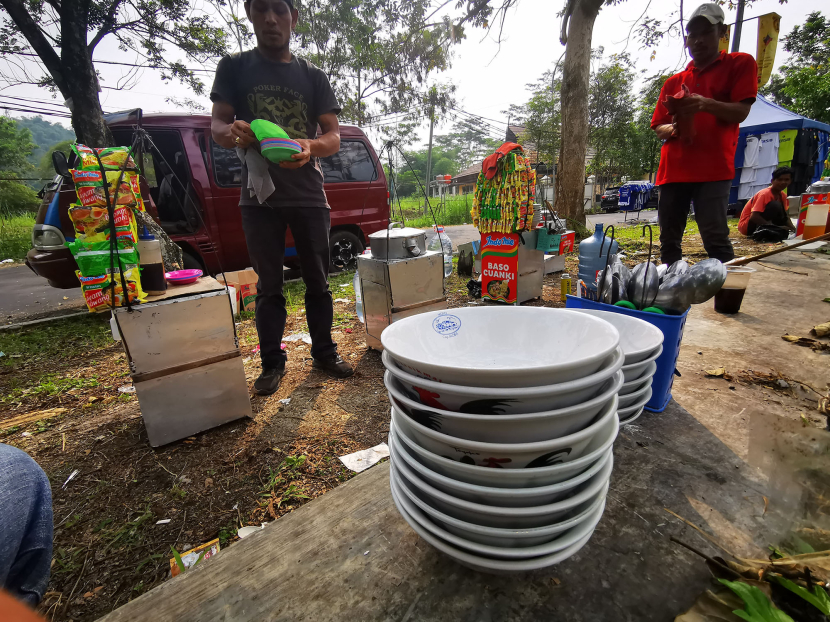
(270, 83)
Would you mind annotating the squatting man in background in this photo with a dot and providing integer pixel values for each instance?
(270, 83)
(765, 216)
(697, 161)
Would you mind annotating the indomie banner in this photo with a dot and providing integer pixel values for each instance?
(723, 44)
(499, 266)
(768, 27)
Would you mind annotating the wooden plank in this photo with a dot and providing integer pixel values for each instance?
(152, 375)
(37, 415)
(259, 578)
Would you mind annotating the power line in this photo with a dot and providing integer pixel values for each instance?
(30, 111)
(112, 62)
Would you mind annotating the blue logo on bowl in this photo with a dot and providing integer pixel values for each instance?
(446, 325)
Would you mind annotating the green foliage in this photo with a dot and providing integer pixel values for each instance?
(817, 598)
(410, 181)
(45, 135)
(378, 55)
(45, 168)
(758, 606)
(612, 113)
(648, 144)
(803, 84)
(468, 141)
(541, 116)
(16, 147)
(455, 210)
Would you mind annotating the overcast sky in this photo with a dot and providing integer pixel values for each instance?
(489, 77)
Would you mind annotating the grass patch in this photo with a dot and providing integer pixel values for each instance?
(50, 385)
(16, 236)
(631, 238)
(57, 340)
(294, 292)
(454, 210)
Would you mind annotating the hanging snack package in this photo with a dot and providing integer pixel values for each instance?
(92, 224)
(112, 158)
(94, 258)
(89, 187)
(99, 290)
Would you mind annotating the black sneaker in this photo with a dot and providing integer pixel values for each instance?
(333, 365)
(269, 380)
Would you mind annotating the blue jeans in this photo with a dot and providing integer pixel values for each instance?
(25, 526)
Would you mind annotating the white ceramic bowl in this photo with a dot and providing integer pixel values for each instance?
(524, 428)
(634, 385)
(625, 413)
(638, 370)
(506, 455)
(638, 338)
(562, 541)
(597, 447)
(485, 564)
(632, 418)
(518, 538)
(495, 516)
(505, 401)
(501, 346)
(632, 398)
(487, 495)
(495, 536)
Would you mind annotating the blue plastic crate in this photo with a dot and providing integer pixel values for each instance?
(672, 328)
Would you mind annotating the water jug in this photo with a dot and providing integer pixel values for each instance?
(358, 297)
(592, 260)
(442, 244)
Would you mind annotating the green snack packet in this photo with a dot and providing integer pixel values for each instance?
(93, 259)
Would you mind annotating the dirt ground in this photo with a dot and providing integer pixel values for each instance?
(64, 398)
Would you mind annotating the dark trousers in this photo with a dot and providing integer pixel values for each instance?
(265, 234)
(711, 199)
(775, 213)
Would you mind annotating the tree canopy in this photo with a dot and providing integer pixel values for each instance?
(803, 83)
(15, 148)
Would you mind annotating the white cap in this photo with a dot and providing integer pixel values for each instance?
(710, 11)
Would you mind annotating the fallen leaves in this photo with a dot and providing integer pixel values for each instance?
(718, 372)
(822, 330)
(806, 342)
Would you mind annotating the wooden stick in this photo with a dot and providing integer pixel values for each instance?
(742, 261)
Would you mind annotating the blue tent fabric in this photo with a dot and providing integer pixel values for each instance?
(764, 116)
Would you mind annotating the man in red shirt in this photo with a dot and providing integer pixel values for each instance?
(768, 208)
(697, 161)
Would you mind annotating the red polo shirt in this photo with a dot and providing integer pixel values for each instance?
(711, 155)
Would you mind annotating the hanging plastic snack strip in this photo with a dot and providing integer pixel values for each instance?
(94, 259)
(504, 203)
(91, 192)
(112, 158)
(99, 290)
(92, 223)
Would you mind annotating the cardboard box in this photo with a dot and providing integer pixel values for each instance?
(245, 283)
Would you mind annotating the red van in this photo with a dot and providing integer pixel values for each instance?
(193, 187)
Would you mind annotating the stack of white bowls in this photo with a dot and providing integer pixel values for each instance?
(642, 344)
(503, 421)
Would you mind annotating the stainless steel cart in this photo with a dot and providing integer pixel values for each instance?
(185, 361)
(392, 290)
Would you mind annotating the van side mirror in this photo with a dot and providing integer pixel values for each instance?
(60, 163)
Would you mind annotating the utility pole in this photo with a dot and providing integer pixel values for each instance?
(429, 150)
(739, 21)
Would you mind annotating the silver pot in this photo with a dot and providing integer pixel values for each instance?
(398, 242)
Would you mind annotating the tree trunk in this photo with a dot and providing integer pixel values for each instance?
(82, 86)
(576, 72)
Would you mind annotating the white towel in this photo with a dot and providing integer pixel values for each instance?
(259, 179)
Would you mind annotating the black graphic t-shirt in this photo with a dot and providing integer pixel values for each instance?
(293, 95)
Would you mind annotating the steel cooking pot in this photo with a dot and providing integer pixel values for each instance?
(398, 242)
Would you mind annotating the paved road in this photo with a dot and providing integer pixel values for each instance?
(24, 296)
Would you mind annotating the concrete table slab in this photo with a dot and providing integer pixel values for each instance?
(349, 554)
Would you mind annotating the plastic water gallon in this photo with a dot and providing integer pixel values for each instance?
(441, 243)
(592, 260)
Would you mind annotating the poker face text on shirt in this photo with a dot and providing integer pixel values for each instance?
(273, 22)
(702, 39)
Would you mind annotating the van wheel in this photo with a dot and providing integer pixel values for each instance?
(344, 247)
